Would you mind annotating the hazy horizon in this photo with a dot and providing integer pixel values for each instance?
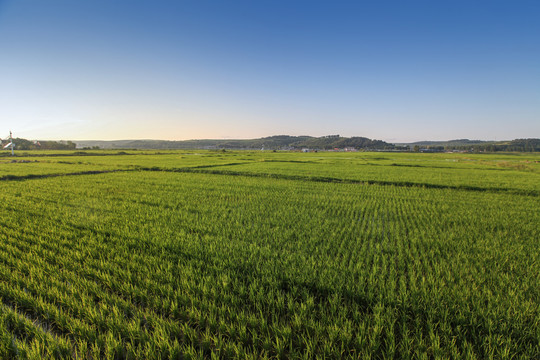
(265, 136)
(231, 138)
(394, 71)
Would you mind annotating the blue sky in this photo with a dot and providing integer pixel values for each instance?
(392, 70)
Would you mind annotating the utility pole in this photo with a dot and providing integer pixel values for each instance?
(11, 141)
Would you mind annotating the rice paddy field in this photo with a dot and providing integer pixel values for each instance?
(259, 255)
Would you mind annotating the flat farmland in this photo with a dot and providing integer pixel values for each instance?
(201, 254)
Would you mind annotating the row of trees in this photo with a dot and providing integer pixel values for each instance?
(269, 143)
(296, 142)
(517, 145)
(24, 144)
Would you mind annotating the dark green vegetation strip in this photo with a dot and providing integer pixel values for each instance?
(202, 170)
(44, 176)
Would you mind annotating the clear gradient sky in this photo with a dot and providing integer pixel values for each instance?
(398, 71)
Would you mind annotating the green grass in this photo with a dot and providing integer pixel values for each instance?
(270, 255)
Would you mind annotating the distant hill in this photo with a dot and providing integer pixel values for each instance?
(457, 142)
(278, 142)
(525, 145)
(287, 142)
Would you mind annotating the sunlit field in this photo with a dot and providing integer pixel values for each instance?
(200, 254)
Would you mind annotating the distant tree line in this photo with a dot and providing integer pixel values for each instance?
(335, 141)
(517, 145)
(278, 142)
(24, 144)
(287, 142)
